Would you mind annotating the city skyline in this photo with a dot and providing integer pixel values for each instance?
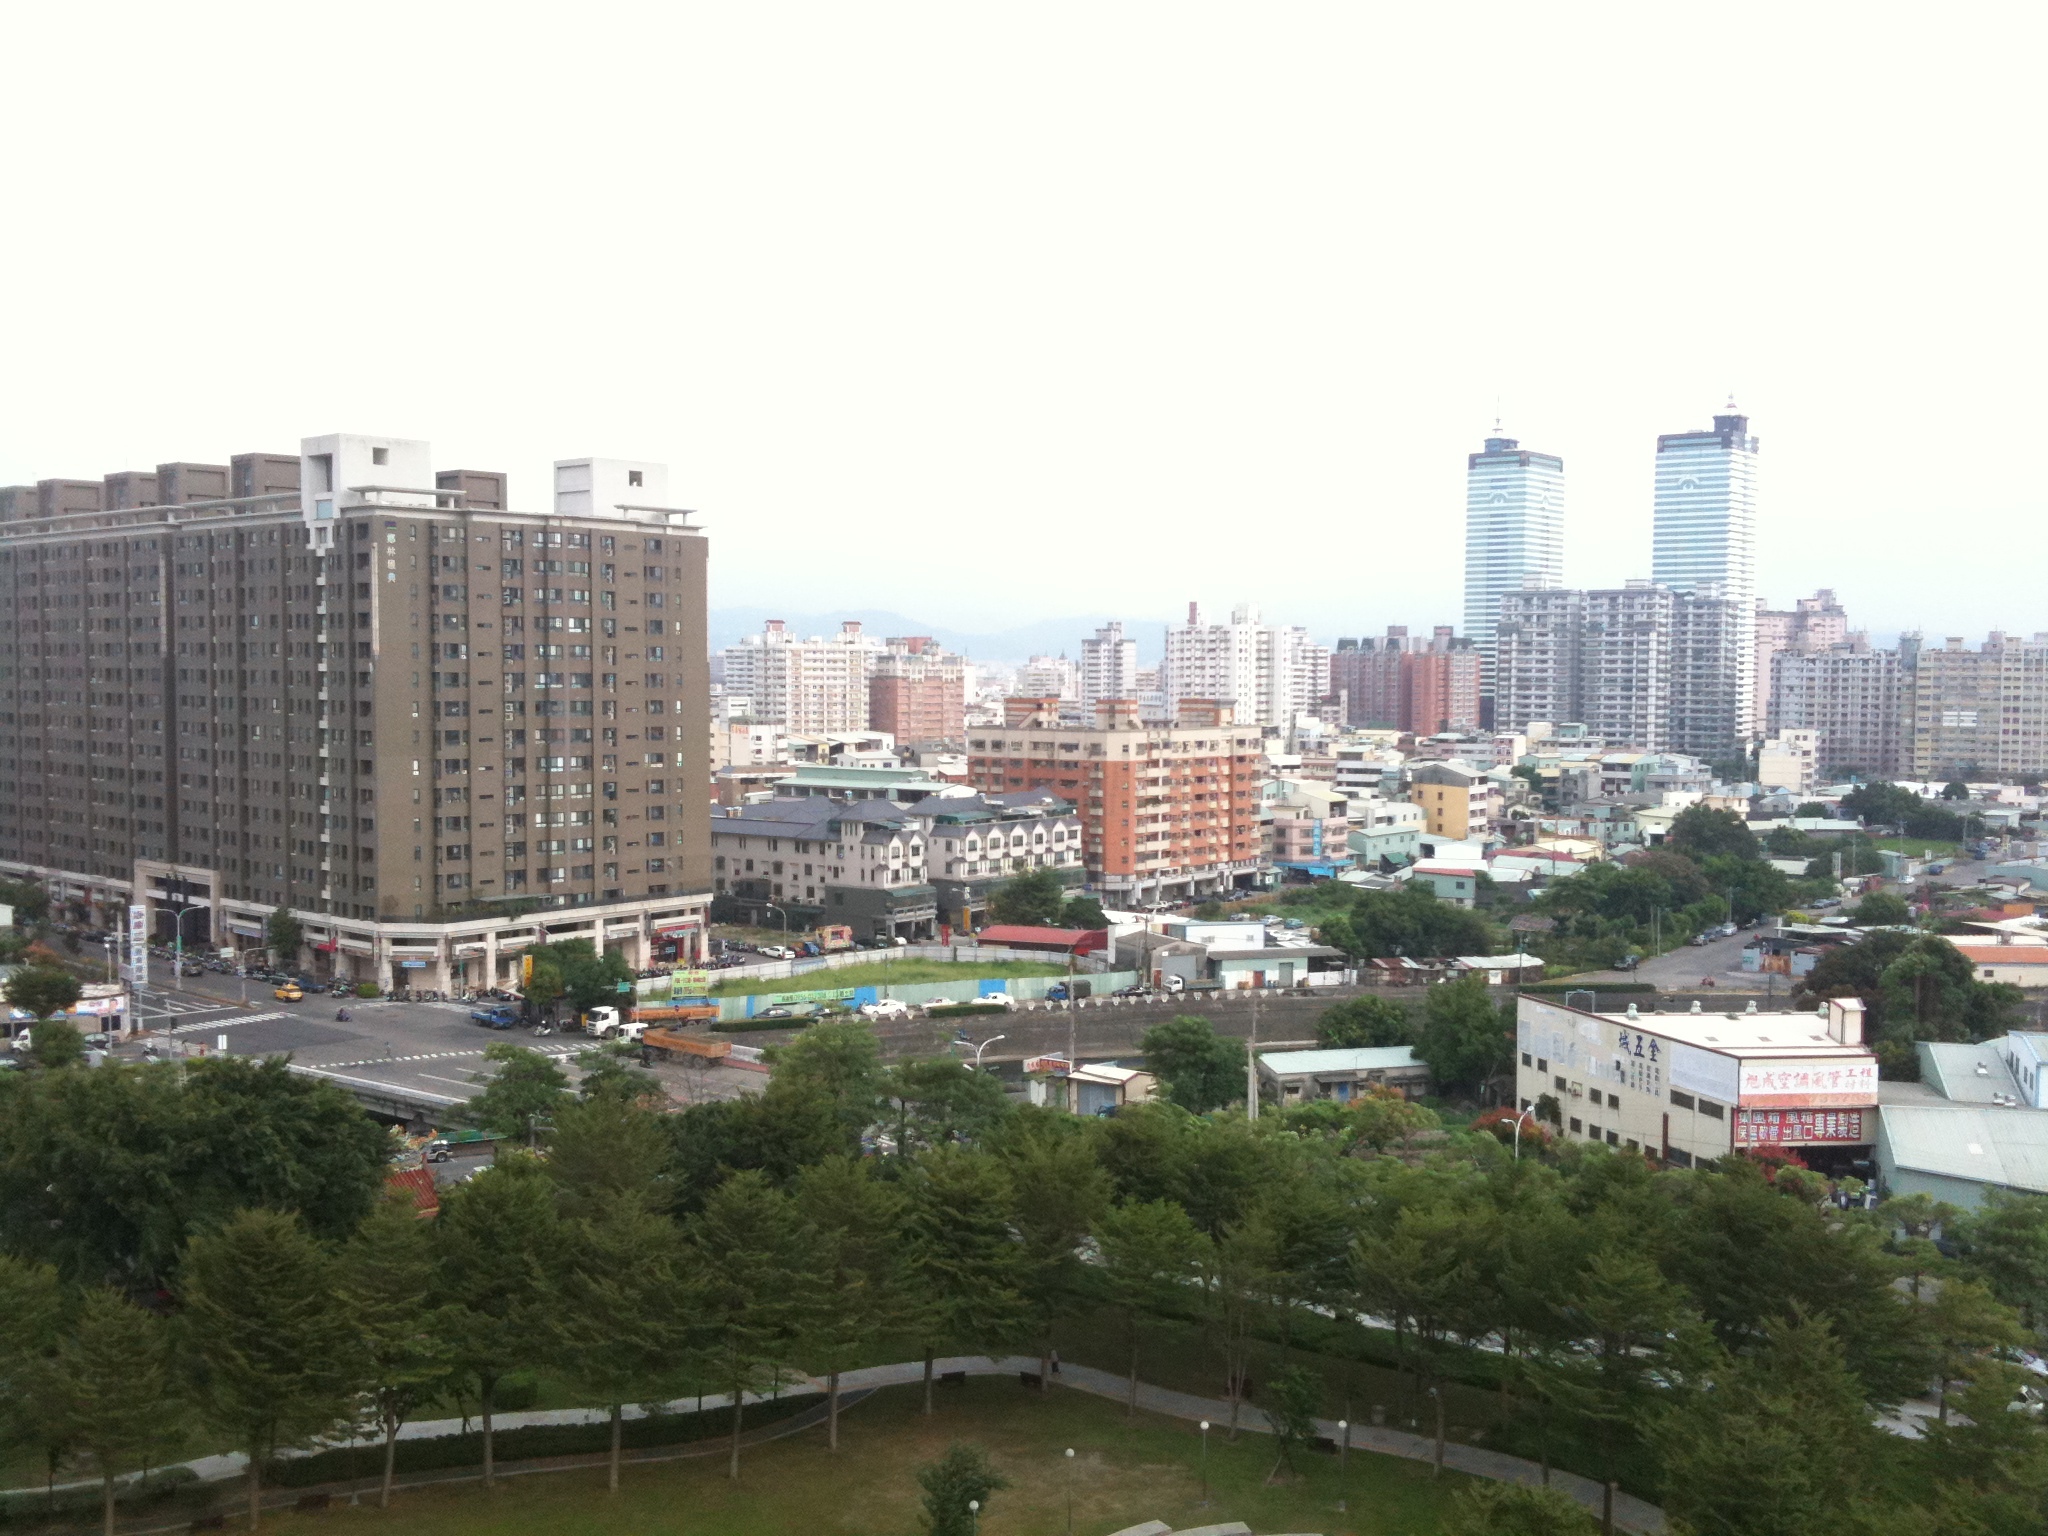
(863, 391)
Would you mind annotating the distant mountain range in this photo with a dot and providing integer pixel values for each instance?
(1047, 637)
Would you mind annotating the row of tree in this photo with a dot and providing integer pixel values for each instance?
(1719, 1338)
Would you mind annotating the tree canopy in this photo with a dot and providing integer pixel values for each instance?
(1197, 1068)
(1038, 898)
(1703, 832)
(106, 1174)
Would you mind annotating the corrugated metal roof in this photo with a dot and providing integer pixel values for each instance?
(1364, 1058)
(1965, 1074)
(2007, 1147)
(2005, 954)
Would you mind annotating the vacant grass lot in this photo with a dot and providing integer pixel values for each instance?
(1122, 1473)
(1920, 847)
(884, 973)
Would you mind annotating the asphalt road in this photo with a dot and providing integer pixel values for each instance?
(1687, 966)
(416, 1047)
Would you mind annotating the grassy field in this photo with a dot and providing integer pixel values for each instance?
(1122, 1473)
(1920, 847)
(884, 973)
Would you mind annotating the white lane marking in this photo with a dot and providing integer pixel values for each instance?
(253, 1018)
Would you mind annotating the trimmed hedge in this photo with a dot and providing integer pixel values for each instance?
(81, 1506)
(530, 1443)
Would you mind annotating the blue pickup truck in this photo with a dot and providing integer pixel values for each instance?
(496, 1016)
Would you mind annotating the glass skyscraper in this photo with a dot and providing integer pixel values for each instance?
(1514, 530)
(1703, 538)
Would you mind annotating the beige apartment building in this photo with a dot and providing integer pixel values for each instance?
(807, 685)
(1690, 1087)
(1979, 713)
(435, 727)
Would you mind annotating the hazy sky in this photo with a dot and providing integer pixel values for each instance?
(987, 313)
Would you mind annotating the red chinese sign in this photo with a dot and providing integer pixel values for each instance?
(1772, 1127)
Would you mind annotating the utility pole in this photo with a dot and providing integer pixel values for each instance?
(1251, 1064)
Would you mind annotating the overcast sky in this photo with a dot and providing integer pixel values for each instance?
(983, 314)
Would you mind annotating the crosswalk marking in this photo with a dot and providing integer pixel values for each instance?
(247, 1018)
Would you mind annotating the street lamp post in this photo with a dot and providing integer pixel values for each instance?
(178, 946)
(1343, 1454)
(973, 1515)
(991, 1040)
(109, 941)
(1070, 1491)
(1205, 1465)
(1524, 1115)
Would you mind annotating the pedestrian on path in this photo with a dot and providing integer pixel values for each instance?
(1055, 1362)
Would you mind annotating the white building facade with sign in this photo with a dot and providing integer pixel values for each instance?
(1688, 1087)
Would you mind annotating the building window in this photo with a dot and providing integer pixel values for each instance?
(1681, 1100)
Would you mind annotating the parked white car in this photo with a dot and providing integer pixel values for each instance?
(1000, 999)
(885, 1008)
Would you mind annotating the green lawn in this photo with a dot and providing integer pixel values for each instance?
(1122, 1473)
(883, 973)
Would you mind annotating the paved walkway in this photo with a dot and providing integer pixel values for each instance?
(1630, 1513)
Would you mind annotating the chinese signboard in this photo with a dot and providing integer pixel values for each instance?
(1771, 1127)
(1639, 1061)
(138, 946)
(1811, 1082)
(1705, 1072)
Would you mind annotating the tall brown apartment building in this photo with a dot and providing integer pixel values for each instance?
(436, 728)
(1169, 813)
(1408, 683)
(917, 692)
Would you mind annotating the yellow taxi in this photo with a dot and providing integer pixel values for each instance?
(290, 992)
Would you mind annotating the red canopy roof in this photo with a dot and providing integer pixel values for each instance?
(1081, 940)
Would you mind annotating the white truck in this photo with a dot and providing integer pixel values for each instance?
(609, 1024)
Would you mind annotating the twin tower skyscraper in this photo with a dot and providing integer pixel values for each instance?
(1703, 535)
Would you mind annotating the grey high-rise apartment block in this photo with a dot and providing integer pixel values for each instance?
(1514, 532)
(1704, 529)
(436, 728)
(1848, 694)
(1109, 666)
(1638, 665)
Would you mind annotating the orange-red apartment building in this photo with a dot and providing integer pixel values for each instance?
(1169, 813)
